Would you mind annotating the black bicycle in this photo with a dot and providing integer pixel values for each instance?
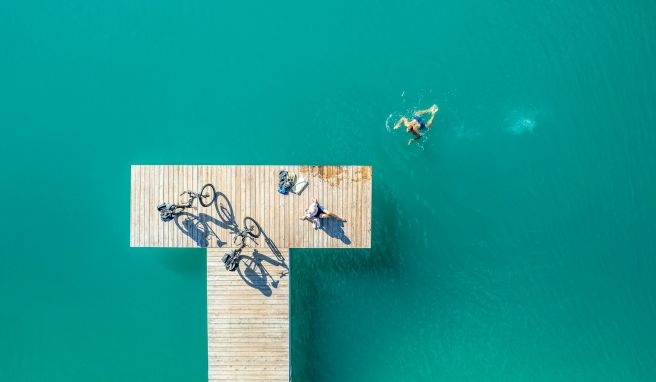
(251, 231)
(168, 211)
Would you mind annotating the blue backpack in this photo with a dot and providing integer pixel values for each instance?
(285, 182)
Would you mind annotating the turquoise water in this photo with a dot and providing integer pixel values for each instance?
(516, 242)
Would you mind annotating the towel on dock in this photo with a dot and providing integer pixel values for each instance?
(299, 186)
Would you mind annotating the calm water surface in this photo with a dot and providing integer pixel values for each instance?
(516, 242)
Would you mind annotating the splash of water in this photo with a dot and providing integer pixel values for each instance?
(522, 121)
(389, 122)
(522, 126)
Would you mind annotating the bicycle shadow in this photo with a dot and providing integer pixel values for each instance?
(206, 219)
(225, 212)
(195, 227)
(272, 246)
(198, 227)
(256, 270)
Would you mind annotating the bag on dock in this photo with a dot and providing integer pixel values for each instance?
(166, 212)
(286, 181)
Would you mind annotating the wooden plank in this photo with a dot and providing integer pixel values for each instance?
(189, 237)
(134, 205)
(332, 191)
(217, 181)
(322, 238)
(155, 195)
(143, 188)
(282, 203)
(262, 183)
(172, 229)
(369, 210)
(159, 192)
(138, 210)
(316, 238)
(310, 193)
(194, 237)
(164, 195)
(292, 206)
(227, 191)
(348, 214)
(201, 180)
(353, 205)
(173, 197)
(182, 175)
(275, 224)
(247, 197)
(238, 195)
(149, 198)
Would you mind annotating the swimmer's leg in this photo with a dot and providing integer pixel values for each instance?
(430, 121)
(432, 109)
(327, 214)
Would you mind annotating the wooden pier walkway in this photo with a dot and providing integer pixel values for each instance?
(248, 317)
(248, 310)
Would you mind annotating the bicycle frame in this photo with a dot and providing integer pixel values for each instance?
(190, 201)
(176, 209)
(243, 235)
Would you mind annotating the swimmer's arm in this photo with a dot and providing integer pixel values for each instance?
(403, 120)
(416, 136)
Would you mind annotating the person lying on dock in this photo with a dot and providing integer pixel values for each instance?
(413, 125)
(316, 212)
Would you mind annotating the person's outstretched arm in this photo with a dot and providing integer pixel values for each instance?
(403, 121)
(416, 136)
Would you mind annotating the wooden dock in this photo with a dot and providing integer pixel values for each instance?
(248, 310)
(248, 317)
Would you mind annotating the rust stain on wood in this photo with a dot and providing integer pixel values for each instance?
(333, 175)
(362, 173)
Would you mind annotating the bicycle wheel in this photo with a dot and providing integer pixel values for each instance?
(252, 227)
(207, 194)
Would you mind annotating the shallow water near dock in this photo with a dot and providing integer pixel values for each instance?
(516, 243)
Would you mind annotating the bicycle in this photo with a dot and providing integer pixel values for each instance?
(251, 231)
(168, 211)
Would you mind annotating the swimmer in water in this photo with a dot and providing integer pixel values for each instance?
(413, 125)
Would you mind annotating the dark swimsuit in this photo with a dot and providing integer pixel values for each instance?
(316, 214)
(419, 120)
